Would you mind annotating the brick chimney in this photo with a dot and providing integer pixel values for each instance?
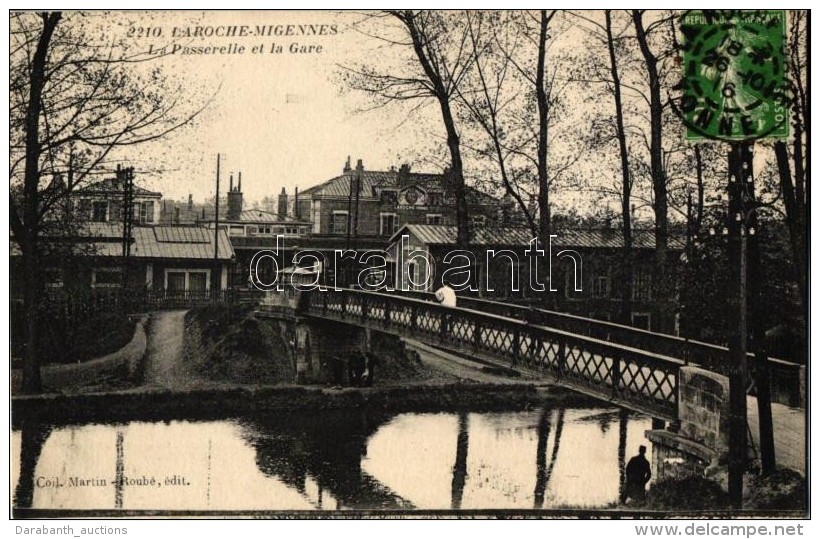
(296, 202)
(282, 209)
(404, 175)
(234, 200)
(190, 202)
(346, 168)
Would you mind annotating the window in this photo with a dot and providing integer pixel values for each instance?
(180, 281)
(144, 213)
(435, 199)
(197, 281)
(53, 277)
(642, 284)
(99, 211)
(106, 277)
(600, 286)
(569, 286)
(642, 321)
(389, 224)
(264, 230)
(389, 197)
(434, 219)
(338, 222)
(252, 230)
(478, 220)
(175, 281)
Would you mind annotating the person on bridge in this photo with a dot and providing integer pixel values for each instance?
(446, 296)
(638, 474)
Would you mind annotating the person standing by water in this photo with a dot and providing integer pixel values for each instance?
(638, 474)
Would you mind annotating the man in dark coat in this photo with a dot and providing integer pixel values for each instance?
(638, 474)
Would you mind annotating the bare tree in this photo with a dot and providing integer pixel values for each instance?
(658, 171)
(486, 99)
(74, 99)
(792, 163)
(512, 103)
(440, 61)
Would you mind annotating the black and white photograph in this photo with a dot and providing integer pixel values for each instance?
(359, 264)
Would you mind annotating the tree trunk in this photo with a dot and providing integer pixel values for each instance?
(791, 203)
(626, 186)
(757, 324)
(29, 244)
(543, 133)
(456, 173)
(660, 204)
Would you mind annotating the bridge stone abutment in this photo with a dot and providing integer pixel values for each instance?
(702, 438)
(313, 342)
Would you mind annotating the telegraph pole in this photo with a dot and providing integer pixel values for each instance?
(735, 90)
(214, 283)
(126, 175)
(739, 156)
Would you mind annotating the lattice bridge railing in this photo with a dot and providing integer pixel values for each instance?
(635, 378)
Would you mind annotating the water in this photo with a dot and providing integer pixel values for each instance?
(546, 458)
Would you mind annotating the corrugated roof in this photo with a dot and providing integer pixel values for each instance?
(179, 234)
(521, 236)
(340, 186)
(179, 242)
(264, 216)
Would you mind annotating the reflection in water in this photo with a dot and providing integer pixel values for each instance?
(460, 467)
(32, 437)
(547, 458)
(119, 478)
(333, 460)
(622, 423)
(321, 458)
(544, 469)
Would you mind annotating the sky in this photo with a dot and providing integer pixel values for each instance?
(285, 120)
(279, 118)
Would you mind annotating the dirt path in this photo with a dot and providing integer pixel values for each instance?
(789, 434)
(163, 364)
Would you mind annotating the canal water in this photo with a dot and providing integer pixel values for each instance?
(544, 458)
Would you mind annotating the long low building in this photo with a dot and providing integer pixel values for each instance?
(581, 270)
(163, 260)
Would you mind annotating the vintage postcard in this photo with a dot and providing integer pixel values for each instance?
(409, 263)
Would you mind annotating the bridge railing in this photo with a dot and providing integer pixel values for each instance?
(648, 381)
(787, 378)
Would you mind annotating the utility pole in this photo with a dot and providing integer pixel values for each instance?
(126, 175)
(345, 263)
(721, 79)
(737, 343)
(214, 283)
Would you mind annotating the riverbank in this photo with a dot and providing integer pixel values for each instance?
(110, 372)
(226, 401)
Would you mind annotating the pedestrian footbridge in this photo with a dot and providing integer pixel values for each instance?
(635, 369)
